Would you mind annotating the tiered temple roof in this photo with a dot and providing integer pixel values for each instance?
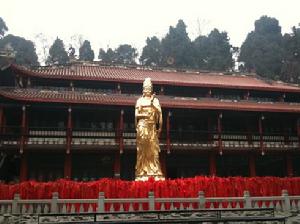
(124, 74)
(74, 97)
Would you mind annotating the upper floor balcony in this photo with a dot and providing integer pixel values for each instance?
(95, 138)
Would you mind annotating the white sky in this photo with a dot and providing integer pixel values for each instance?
(113, 22)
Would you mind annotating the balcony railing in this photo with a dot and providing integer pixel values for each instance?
(12, 135)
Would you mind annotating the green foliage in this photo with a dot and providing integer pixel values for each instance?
(177, 47)
(124, 54)
(213, 52)
(152, 54)
(85, 52)
(25, 53)
(3, 28)
(262, 50)
(107, 56)
(57, 53)
(291, 62)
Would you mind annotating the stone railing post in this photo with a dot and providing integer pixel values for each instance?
(201, 199)
(286, 201)
(101, 198)
(15, 207)
(54, 203)
(151, 201)
(247, 199)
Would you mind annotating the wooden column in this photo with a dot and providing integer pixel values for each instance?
(162, 159)
(168, 138)
(119, 91)
(260, 130)
(117, 165)
(212, 164)
(252, 168)
(69, 131)
(246, 95)
(68, 166)
(209, 130)
(1, 119)
(121, 130)
(298, 131)
(68, 156)
(23, 167)
(220, 133)
(289, 165)
(209, 93)
(23, 129)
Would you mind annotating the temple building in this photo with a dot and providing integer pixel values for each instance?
(77, 121)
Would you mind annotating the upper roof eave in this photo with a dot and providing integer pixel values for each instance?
(137, 76)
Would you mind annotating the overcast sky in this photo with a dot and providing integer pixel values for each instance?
(113, 22)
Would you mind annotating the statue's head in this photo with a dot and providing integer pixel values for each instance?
(147, 87)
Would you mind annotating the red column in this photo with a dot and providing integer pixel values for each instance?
(121, 129)
(68, 156)
(298, 131)
(220, 133)
(252, 168)
(260, 130)
(117, 165)
(23, 129)
(289, 165)
(68, 166)
(208, 94)
(23, 167)
(212, 164)
(162, 159)
(168, 133)
(1, 119)
(69, 130)
(246, 95)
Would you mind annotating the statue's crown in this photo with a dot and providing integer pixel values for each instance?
(147, 84)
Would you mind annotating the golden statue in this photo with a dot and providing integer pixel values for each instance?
(148, 124)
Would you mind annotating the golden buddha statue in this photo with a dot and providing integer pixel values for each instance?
(148, 124)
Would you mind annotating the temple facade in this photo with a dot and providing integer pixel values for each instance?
(77, 121)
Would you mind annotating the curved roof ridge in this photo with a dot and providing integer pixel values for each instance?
(129, 74)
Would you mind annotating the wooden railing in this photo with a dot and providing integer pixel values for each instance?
(11, 135)
(101, 204)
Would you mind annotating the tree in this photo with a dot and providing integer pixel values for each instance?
(57, 53)
(262, 49)
(85, 52)
(108, 56)
(125, 54)
(177, 47)
(213, 52)
(291, 59)
(25, 53)
(3, 28)
(152, 54)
